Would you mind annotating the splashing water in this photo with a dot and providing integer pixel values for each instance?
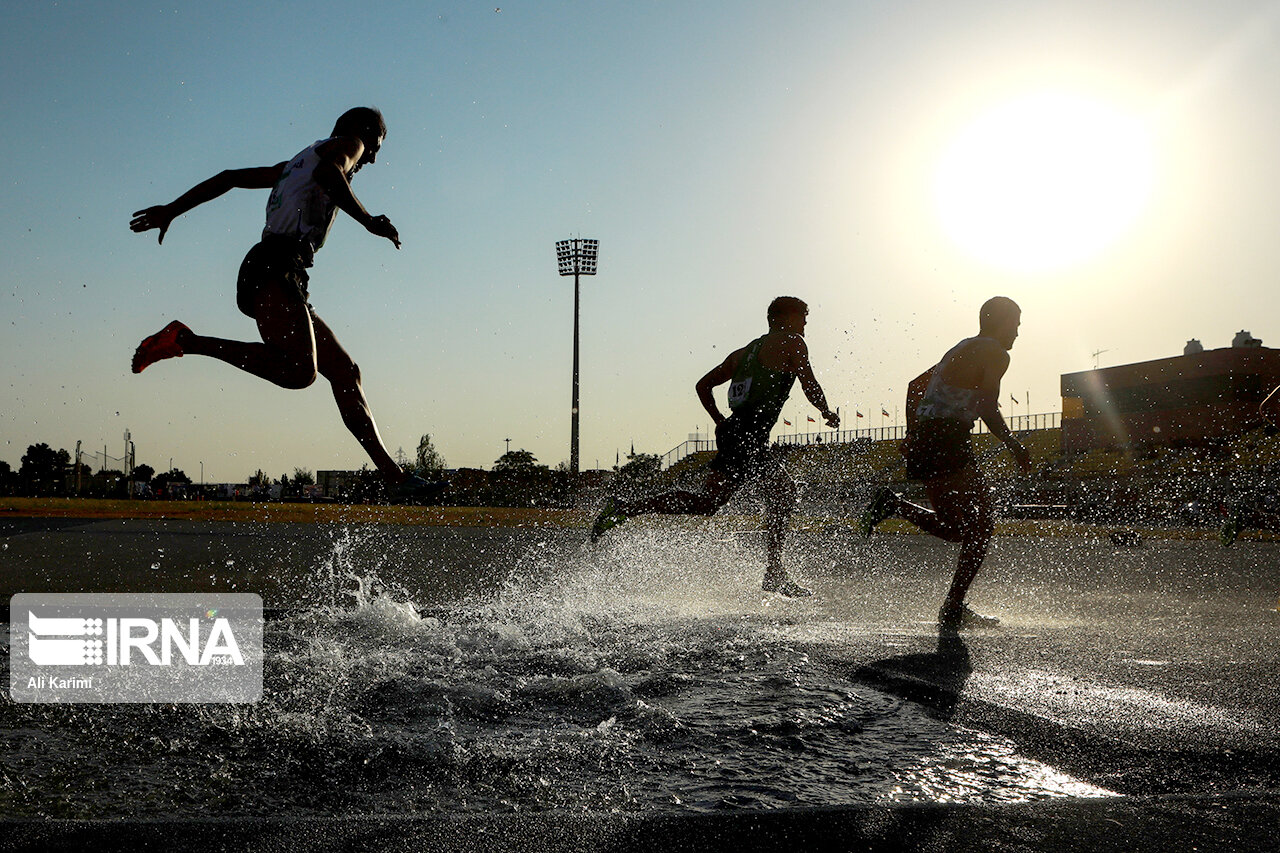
(639, 677)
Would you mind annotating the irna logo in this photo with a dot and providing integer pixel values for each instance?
(89, 641)
(135, 647)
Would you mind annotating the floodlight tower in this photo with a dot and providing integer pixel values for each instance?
(576, 257)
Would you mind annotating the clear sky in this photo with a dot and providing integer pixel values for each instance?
(1112, 166)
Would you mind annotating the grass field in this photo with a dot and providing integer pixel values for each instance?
(435, 516)
(290, 512)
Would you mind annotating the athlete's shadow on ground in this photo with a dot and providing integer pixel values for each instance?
(934, 679)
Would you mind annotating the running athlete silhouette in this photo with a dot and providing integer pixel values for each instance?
(760, 376)
(306, 194)
(942, 405)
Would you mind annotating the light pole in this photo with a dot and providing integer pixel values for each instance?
(127, 464)
(576, 257)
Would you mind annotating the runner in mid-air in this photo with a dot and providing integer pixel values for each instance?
(760, 376)
(942, 405)
(306, 194)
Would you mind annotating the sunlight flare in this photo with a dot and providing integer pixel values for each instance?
(1044, 181)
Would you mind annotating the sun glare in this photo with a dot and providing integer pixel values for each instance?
(1044, 181)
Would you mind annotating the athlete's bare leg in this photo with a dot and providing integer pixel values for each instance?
(287, 354)
(336, 365)
(964, 505)
(779, 502)
(927, 520)
(296, 345)
(715, 493)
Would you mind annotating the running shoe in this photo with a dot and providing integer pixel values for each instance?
(784, 586)
(163, 344)
(952, 619)
(883, 505)
(1231, 530)
(610, 517)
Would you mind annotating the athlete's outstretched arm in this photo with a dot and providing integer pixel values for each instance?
(340, 157)
(716, 377)
(993, 370)
(161, 215)
(916, 389)
(809, 384)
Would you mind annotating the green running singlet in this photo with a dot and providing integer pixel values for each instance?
(757, 393)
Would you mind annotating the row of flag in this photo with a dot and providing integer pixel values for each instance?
(884, 413)
(812, 420)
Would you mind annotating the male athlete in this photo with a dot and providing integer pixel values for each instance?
(306, 193)
(760, 375)
(942, 405)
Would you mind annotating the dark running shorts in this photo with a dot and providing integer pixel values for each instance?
(938, 447)
(742, 451)
(282, 259)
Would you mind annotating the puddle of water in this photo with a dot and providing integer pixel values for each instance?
(634, 679)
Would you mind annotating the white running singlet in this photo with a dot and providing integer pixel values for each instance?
(298, 206)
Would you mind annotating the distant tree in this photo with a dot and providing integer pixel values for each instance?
(260, 479)
(43, 470)
(517, 461)
(162, 481)
(518, 480)
(302, 477)
(430, 464)
(638, 475)
(143, 473)
(8, 479)
(108, 483)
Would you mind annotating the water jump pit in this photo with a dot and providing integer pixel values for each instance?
(645, 679)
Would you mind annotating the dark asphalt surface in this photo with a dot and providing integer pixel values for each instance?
(1150, 671)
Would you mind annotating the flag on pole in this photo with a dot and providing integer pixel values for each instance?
(811, 420)
(787, 422)
(883, 413)
(856, 412)
(1013, 398)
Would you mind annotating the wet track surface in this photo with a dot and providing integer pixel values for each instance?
(490, 672)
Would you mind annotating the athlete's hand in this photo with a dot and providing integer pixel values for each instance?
(380, 226)
(832, 419)
(153, 217)
(1021, 456)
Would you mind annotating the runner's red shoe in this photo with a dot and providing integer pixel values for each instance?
(163, 344)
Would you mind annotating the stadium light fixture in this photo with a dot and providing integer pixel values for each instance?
(576, 257)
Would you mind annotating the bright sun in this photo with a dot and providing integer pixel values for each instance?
(1044, 181)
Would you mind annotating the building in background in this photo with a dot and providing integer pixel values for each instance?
(337, 484)
(1198, 398)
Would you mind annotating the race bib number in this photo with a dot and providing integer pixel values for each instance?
(738, 392)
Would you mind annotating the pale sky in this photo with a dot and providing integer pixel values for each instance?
(723, 153)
